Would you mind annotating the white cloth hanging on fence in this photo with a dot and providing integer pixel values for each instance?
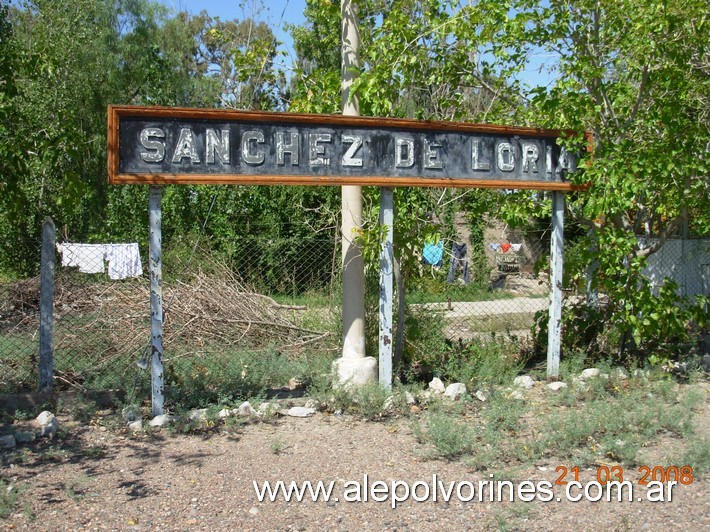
(124, 260)
(89, 258)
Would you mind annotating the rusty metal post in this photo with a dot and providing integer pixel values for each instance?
(386, 273)
(156, 301)
(46, 308)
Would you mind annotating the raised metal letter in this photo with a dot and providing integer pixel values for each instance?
(530, 155)
(282, 148)
(503, 149)
(349, 158)
(217, 145)
(399, 160)
(431, 156)
(257, 157)
(317, 149)
(475, 156)
(158, 146)
(186, 147)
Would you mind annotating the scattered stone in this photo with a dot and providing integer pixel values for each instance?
(437, 385)
(254, 510)
(161, 420)
(225, 413)
(136, 426)
(557, 386)
(199, 414)
(524, 381)
(414, 409)
(25, 436)
(589, 373)
(246, 410)
(517, 395)
(455, 391)
(620, 373)
(411, 400)
(130, 414)
(7, 442)
(312, 403)
(48, 424)
(388, 405)
(300, 411)
(481, 396)
(427, 396)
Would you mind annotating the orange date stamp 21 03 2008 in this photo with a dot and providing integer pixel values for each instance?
(604, 474)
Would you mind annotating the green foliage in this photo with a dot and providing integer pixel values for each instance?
(239, 376)
(446, 436)
(9, 494)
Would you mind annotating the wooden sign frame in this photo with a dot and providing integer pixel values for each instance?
(431, 142)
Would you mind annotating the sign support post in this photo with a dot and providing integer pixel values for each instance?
(156, 300)
(386, 274)
(46, 308)
(554, 328)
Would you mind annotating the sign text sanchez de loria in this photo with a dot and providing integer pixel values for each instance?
(162, 146)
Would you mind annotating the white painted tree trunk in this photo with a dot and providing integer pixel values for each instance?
(354, 367)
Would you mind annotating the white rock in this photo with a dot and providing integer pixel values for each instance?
(388, 404)
(130, 414)
(48, 424)
(411, 400)
(437, 385)
(427, 396)
(226, 412)
(481, 396)
(136, 426)
(589, 373)
(254, 510)
(455, 391)
(25, 436)
(199, 414)
(620, 373)
(161, 420)
(300, 411)
(516, 394)
(246, 410)
(524, 381)
(557, 386)
(312, 403)
(7, 442)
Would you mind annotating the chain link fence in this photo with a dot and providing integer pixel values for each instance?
(275, 299)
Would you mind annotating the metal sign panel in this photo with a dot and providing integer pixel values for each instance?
(152, 145)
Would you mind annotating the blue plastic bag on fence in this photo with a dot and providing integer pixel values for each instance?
(433, 253)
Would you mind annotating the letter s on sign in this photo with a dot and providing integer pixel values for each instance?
(156, 147)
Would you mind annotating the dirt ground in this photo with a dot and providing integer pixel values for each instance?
(99, 479)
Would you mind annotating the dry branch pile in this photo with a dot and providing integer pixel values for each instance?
(108, 323)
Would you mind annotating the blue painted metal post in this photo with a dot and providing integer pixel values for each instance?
(46, 308)
(386, 274)
(554, 332)
(156, 301)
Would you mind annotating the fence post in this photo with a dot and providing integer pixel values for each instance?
(554, 331)
(46, 307)
(386, 271)
(156, 301)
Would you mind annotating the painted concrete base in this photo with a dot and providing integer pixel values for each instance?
(356, 371)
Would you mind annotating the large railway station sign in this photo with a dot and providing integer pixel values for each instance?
(163, 146)
(159, 146)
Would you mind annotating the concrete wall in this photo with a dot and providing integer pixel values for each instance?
(687, 262)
